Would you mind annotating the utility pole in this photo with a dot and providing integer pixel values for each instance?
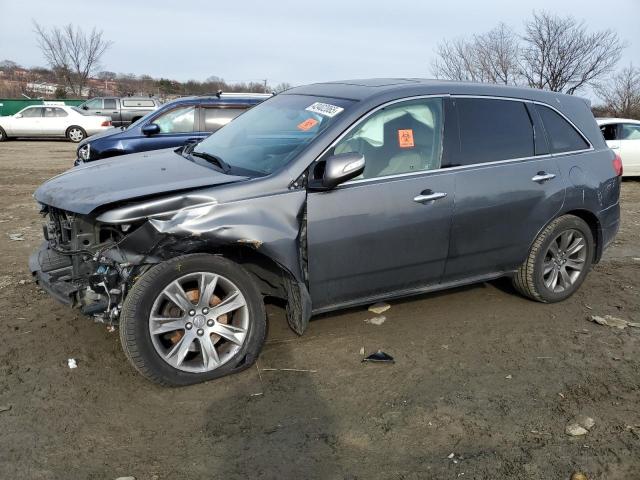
(265, 85)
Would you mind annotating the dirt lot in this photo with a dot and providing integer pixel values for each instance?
(480, 373)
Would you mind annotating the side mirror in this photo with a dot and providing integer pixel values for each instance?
(151, 129)
(338, 169)
(18, 115)
(84, 107)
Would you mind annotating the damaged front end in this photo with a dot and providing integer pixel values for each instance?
(71, 264)
(91, 261)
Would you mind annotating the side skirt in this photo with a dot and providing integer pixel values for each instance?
(411, 292)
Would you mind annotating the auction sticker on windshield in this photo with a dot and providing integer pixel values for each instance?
(325, 109)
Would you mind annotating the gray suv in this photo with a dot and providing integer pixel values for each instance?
(328, 196)
(122, 110)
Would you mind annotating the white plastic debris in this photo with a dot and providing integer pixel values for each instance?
(361, 350)
(509, 377)
(451, 455)
(575, 430)
(379, 320)
(72, 363)
(379, 308)
(16, 237)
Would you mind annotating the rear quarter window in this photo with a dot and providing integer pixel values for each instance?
(563, 137)
(493, 130)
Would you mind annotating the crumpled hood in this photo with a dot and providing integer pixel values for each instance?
(85, 188)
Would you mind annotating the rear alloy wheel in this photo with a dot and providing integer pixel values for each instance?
(192, 319)
(76, 134)
(558, 262)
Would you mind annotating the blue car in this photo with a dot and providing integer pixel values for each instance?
(182, 121)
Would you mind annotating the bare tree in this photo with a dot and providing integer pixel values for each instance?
(621, 93)
(71, 53)
(490, 57)
(559, 53)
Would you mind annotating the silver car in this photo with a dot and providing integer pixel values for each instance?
(52, 121)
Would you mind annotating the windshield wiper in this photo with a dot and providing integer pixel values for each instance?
(212, 159)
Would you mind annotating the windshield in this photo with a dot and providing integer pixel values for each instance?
(268, 136)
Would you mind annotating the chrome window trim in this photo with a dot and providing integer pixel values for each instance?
(461, 167)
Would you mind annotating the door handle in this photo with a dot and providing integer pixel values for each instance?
(429, 197)
(542, 177)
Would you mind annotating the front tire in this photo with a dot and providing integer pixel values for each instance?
(76, 134)
(558, 261)
(192, 319)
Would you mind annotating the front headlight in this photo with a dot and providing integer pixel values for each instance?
(84, 152)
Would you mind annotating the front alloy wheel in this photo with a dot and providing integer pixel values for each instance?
(191, 319)
(198, 322)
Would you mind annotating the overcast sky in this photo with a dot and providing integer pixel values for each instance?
(298, 42)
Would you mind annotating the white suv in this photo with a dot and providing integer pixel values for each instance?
(623, 136)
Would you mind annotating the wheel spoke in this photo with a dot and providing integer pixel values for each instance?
(575, 246)
(232, 302)
(179, 351)
(207, 284)
(565, 240)
(161, 325)
(566, 278)
(547, 267)
(175, 293)
(210, 359)
(230, 332)
(553, 249)
(575, 263)
(552, 281)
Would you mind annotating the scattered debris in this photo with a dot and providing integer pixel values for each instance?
(509, 377)
(72, 363)
(379, 320)
(288, 370)
(361, 350)
(16, 237)
(561, 395)
(611, 321)
(635, 430)
(126, 478)
(451, 455)
(580, 426)
(111, 328)
(379, 357)
(22, 282)
(575, 430)
(578, 476)
(379, 308)
(590, 308)
(256, 394)
(5, 408)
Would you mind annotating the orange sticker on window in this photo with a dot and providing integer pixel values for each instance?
(308, 124)
(405, 138)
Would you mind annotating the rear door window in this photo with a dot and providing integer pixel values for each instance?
(54, 112)
(493, 130)
(630, 132)
(215, 118)
(563, 137)
(110, 104)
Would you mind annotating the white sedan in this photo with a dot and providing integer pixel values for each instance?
(623, 137)
(52, 121)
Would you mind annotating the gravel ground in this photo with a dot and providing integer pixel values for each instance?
(484, 384)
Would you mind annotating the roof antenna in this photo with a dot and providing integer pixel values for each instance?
(219, 93)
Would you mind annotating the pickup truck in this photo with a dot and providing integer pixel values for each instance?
(122, 110)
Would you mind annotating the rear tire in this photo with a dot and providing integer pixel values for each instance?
(154, 330)
(76, 134)
(558, 261)
(3, 135)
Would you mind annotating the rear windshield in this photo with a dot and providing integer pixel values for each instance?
(271, 134)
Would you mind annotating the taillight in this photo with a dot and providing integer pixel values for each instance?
(106, 123)
(617, 165)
